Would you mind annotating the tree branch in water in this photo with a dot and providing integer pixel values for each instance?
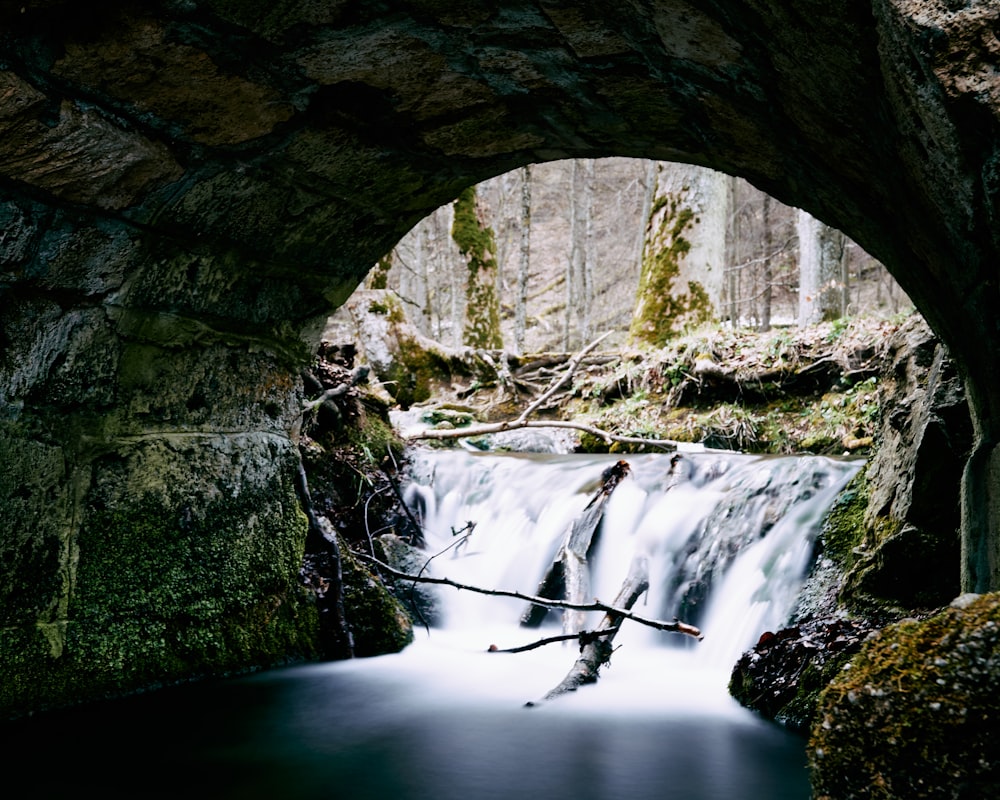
(596, 652)
(584, 637)
(671, 627)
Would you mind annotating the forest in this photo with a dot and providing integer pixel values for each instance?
(549, 256)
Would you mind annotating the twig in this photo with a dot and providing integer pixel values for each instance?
(399, 496)
(470, 526)
(557, 384)
(372, 496)
(585, 637)
(672, 627)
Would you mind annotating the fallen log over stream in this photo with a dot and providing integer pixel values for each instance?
(596, 651)
(568, 577)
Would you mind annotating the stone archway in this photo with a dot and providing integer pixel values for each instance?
(186, 192)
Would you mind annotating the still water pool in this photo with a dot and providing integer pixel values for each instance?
(438, 723)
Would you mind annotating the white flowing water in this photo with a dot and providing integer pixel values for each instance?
(728, 539)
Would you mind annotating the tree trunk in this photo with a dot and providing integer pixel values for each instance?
(821, 253)
(683, 266)
(476, 243)
(768, 272)
(586, 309)
(732, 254)
(648, 195)
(524, 265)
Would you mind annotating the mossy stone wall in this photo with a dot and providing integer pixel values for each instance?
(163, 581)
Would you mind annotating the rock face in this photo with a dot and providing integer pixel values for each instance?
(912, 519)
(889, 544)
(187, 188)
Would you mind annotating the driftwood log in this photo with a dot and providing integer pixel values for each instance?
(568, 578)
(596, 650)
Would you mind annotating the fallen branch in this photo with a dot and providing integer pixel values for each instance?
(522, 421)
(568, 576)
(584, 637)
(558, 383)
(669, 445)
(597, 652)
(670, 627)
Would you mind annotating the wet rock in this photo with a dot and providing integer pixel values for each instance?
(420, 599)
(915, 714)
(909, 552)
(785, 672)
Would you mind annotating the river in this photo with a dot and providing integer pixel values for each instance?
(728, 539)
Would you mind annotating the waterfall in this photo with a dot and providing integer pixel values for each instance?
(729, 539)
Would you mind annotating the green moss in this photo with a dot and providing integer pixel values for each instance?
(844, 528)
(165, 592)
(378, 621)
(378, 278)
(915, 715)
(477, 244)
(665, 310)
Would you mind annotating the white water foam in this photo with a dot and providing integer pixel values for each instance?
(729, 539)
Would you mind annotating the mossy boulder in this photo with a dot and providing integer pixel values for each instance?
(914, 714)
(379, 623)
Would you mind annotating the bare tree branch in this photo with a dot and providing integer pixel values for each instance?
(557, 384)
(671, 627)
(668, 445)
(584, 637)
(597, 651)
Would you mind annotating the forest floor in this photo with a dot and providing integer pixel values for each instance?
(788, 390)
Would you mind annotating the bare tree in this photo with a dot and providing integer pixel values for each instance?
(822, 279)
(524, 264)
(768, 273)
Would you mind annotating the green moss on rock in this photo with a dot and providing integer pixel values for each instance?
(844, 528)
(165, 592)
(378, 621)
(915, 714)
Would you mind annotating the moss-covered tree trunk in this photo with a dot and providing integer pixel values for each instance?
(477, 244)
(683, 261)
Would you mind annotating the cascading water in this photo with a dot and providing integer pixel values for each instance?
(728, 539)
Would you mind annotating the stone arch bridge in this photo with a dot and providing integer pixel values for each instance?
(189, 187)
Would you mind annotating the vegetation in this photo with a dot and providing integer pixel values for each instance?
(786, 391)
